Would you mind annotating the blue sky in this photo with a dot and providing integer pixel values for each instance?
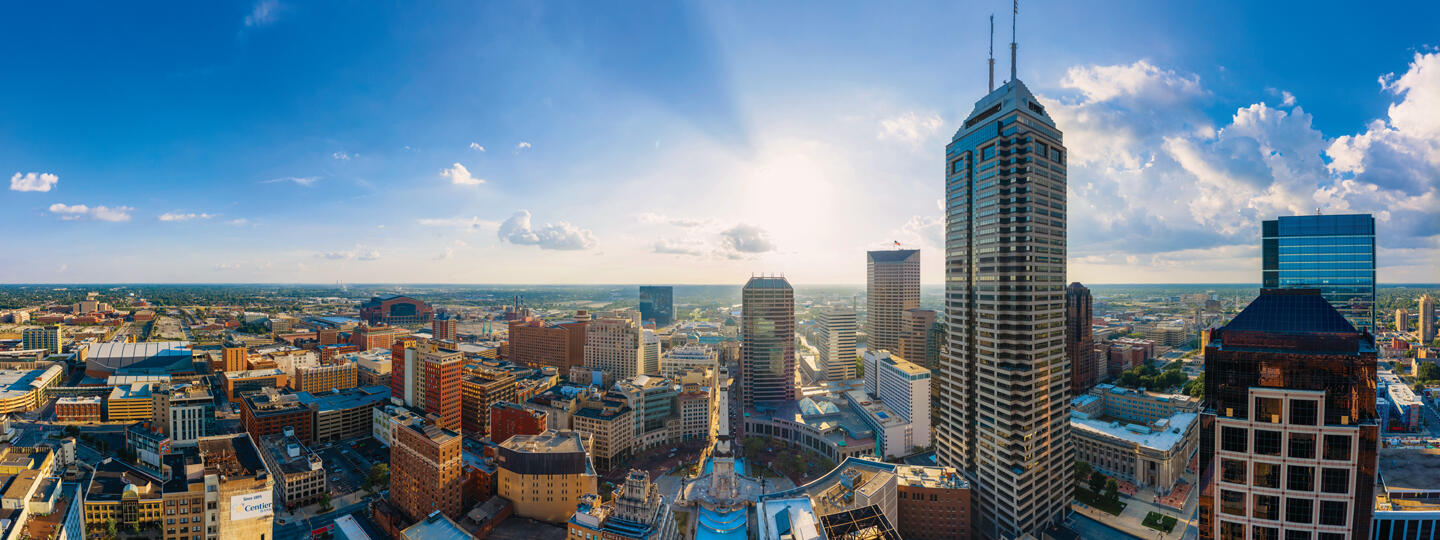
(513, 142)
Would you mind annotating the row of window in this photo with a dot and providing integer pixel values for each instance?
(1301, 511)
(1268, 443)
(1236, 531)
(1297, 478)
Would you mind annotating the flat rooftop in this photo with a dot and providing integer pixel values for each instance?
(549, 441)
(231, 455)
(1410, 470)
(18, 382)
(1147, 436)
(278, 448)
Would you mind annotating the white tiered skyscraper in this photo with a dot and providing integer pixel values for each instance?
(1002, 406)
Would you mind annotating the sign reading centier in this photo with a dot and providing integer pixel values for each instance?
(251, 505)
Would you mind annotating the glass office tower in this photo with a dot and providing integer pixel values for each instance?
(1335, 254)
(1003, 402)
(657, 303)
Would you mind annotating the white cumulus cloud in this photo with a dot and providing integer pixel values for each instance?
(559, 235)
(476, 146)
(461, 176)
(76, 212)
(33, 181)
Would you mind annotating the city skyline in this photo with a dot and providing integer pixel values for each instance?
(206, 152)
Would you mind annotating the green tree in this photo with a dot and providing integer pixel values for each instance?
(1196, 387)
(110, 529)
(378, 477)
(1112, 491)
(1097, 481)
(1082, 471)
(1427, 371)
(325, 501)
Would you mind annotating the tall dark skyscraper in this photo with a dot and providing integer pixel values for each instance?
(767, 341)
(1335, 254)
(1003, 401)
(1288, 434)
(657, 303)
(1080, 339)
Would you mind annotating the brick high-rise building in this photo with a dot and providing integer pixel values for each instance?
(444, 328)
(1080, 339)
(535, 343)
(236, 358)
(478, 392)
(317, 379)
(425, 470)
(767, 348)
(272, 410)
(892, 285)
(933, 503)
(327, 336)
(1288, 433)
(510, 419)
(372, 337)
(918, 324)
(426, 376)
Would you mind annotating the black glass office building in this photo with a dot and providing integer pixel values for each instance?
(657, 303)
(1335, 254)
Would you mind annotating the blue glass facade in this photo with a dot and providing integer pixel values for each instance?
(1335, 254)
(657, 303)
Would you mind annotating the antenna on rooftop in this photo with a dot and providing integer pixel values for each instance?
(992, 53)
(1013, 13)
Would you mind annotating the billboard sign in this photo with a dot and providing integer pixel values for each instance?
(252, 505)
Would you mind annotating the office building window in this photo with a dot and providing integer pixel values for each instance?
(1232, 439)
(1268, 410)
(1299, 510)
(1301, 478)
(1304, 412)
(1232, 471)
(1232, 502)
(1267, 475)
(1267, 507)
(1264, 533)
(1334, 480)
(1297, 535)
(1337, 447)
(1232, 531)
(1267, 443)
(1302, 445)
(1332, 513)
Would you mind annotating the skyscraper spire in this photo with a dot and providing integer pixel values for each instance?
(992, 54)
(1013, 13)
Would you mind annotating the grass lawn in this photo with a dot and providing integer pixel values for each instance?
(1089, 497)
(1159, 522)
